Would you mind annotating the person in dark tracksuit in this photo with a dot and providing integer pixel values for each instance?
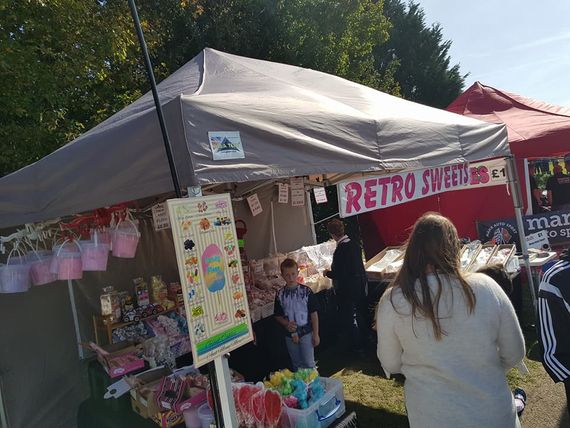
(554, 321)
(350, 284)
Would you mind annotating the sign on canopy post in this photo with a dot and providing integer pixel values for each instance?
(215, 300)
(209, 265)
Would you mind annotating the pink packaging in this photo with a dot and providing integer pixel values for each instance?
(70, 268)
(15, 278)
(101, 236)
(122, 364)
(125, 240)
(94, 256)
(40, 271)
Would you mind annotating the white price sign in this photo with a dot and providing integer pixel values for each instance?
(283, 193)
(320, 195)
(297, 191)
(160, 217)
(254, 204)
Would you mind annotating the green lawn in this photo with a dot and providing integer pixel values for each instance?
(379, 401)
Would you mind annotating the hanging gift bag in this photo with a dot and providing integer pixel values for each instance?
(94, 254)
(15, 275)
(103, 235)
(40, 264)
(68, 260)
(55, 246)
(125, 239)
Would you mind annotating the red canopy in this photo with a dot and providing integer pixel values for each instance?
(536, 130)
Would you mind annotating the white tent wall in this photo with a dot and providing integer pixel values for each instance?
(292, 226)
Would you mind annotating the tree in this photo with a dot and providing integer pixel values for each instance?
(69, 64)
(419, 57)
(53, 57)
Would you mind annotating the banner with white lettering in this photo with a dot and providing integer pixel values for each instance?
(556, 224)
(371, 193)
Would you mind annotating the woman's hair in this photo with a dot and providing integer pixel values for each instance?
(498, 273)
(335, 227)
(433, 247)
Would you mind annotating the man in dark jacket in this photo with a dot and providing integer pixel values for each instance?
(349, 281)
(554, 321)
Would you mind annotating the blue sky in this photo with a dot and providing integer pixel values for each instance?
(519, 46)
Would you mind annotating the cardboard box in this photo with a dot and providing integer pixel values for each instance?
(143, 395)
(168, 419)
(119, 359)
(481, 259)
(465, 266)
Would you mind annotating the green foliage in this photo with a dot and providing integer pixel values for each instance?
(55, 59)
(420, 57)
(67, 65)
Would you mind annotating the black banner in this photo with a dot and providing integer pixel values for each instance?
(505, 231)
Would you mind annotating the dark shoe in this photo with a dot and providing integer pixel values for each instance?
(520, 400)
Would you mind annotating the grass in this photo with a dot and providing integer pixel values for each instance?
(378, 401)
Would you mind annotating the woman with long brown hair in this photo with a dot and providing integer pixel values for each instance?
(452, 336)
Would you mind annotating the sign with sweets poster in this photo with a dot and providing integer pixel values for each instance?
(211, 275)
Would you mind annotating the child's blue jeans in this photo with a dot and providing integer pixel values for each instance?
(302, 354)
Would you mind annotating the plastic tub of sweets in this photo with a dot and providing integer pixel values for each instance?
(15, 276)
(125, 239)
(66, 262)
(322, 413)
(94, 256)
(206, 416)
(40, 263)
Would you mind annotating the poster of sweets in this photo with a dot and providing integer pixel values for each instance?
(210, 270)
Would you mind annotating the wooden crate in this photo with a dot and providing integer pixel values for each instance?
(476, 252)
(475, 266)
(512, 249)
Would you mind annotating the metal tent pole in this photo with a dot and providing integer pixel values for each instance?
(311, 217)
(75, 318)
(175, 181)
(517, 201)
(148, 66)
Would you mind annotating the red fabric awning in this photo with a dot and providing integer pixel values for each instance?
(535, 129)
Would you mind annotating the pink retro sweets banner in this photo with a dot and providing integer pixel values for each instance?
(210, 271)
(372, 193)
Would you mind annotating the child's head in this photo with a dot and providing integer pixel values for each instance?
(335, 227)
(500, 275)
(289, 271)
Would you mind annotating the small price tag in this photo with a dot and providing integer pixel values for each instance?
(254, 204)
(283, 193)
(297, 191)
(320, 195)
(160, 217)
